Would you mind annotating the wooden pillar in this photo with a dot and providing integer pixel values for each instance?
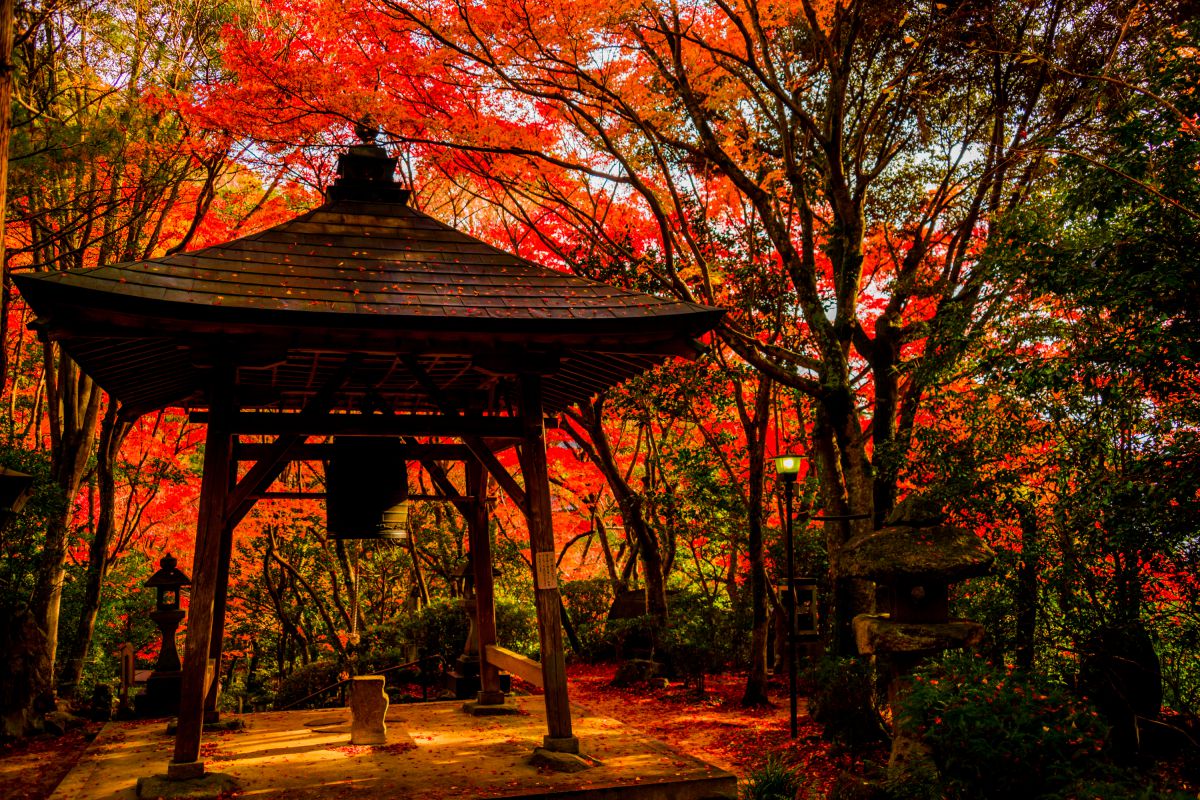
(485, 599)
(217, 638)
(214, 491)
(545, 569)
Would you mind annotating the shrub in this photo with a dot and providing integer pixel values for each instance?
(701, 639)
(997, 734)
(771, 781)
(843, 702)
(440, 629)
(516, 625)
(306, 680)
(588, 602)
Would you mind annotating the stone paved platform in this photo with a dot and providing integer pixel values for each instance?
(433, 750)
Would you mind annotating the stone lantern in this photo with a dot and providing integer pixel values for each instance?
(161, 697)
(913, 566)
(464, 680)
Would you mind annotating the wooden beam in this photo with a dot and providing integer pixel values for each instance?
(476, 443)
(266, 423)
(524, 668)
(480, 538)
(278, 455)
(443, 483)
(545, 570)
(214, 487)
(319, 451)
(432, 498)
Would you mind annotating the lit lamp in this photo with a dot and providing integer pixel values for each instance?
(787, 467)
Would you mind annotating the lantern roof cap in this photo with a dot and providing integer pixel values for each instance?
(943, 553)
(168, 574)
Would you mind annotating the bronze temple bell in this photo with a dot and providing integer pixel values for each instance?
(366, 489)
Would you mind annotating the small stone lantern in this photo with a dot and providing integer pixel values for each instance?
(161, 697)
(464, 680)
(913, 565)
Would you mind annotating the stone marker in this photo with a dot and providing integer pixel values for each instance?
(368, 707)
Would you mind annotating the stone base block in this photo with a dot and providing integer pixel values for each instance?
(559, 761)
(478, 709)
(561, 744)
(185, 770)
(877, 633)
(208, 786)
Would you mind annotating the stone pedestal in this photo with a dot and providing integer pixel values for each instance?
(160, 698)
(368, 707)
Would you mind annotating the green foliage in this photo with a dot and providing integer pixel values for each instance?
(704, 636)
(440, 628)
(588, 602)
(22, 536)
(773, 780)
(998, 734)
(308, 679)
(843, 702)
(516, 626)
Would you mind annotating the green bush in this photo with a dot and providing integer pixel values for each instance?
(440, 629)
(996, 734)
(306, 680)
(587, 603)
(516, 625)
(771, 781)
(701, 639)
(843, 702)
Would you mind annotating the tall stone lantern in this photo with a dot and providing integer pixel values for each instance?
(913, 565)
(161, 697)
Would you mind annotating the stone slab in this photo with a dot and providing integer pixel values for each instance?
(477, 709)
(368, 710)
(433, 750)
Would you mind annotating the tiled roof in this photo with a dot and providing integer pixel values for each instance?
(361, 258)
(365, 274)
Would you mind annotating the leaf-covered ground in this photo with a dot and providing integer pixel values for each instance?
(715, 728)
(31, 768)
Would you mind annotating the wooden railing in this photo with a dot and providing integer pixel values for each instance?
(524, 668)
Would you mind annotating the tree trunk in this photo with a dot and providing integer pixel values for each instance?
(1027, 592)
(73, 404)
(755, 426)
(112, 435)
(629, 501)
(7, 10)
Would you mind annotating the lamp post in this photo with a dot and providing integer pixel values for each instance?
(788, 468)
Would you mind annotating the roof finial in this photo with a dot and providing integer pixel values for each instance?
(366, 130)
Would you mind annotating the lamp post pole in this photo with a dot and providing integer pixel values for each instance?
(787, 467)
(791, 600)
